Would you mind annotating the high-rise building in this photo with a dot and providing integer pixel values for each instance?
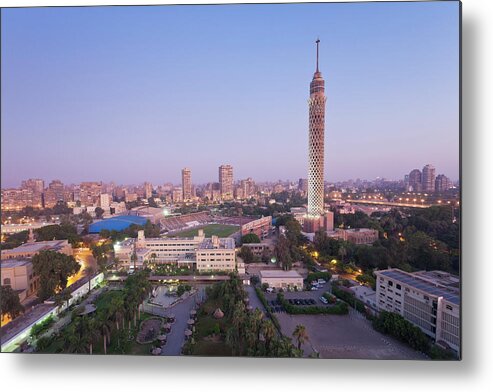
(54, 193)
(35, 188)
(316, 134)
(415, 180)
(89, 193)
(428, 179)
(303, 185)
(226, 181)
(186, 184)
(147, 190)
(35, 184)
(442, 183)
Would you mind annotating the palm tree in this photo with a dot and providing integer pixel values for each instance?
(89, 272)
(300, 335)
(256, 321)
(268, 330)
(232, 340)
(92, 332)
(105, 325)
(117, 309)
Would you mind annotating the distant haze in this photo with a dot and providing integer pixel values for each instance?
(135, 94)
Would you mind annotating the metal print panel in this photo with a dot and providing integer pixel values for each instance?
(232, 180)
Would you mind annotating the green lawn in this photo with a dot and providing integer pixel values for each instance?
(209, 230)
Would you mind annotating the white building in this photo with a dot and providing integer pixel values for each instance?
(281, 279)
(429, 300)
(216, 254)
(204, 254)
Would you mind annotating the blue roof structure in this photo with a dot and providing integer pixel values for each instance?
(423, 285)
(117, 223)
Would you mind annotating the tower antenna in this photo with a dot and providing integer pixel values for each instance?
(317, 42)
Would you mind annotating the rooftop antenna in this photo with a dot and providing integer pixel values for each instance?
(317, 42)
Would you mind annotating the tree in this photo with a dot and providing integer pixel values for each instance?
(300, 335)
(99, 212)
(283, 253)
(10, 303)
(250, 238)
(54, 270)
(246, 254)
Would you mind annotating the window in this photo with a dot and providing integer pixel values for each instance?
(398, 286)
(6, 282)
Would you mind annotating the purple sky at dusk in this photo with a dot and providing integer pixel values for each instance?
(134, 94)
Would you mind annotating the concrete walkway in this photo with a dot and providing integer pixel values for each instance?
(176, 338)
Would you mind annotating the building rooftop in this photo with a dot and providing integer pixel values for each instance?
(34, 247)
(417, 281)
(279, 274)
(222, 243)
(11, 263)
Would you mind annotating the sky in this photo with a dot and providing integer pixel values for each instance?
(134, 94)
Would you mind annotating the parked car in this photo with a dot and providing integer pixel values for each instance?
(314, 288)
(321, 281)
(312, 301)
(324, 300)
(269, 289)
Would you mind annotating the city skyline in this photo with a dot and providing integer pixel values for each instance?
(98, 94)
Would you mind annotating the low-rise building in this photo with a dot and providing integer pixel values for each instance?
(366, 295)
(361, 236)
(18, 274)
(29, 249)
(261, 227)
(429, 300)
(216, 254)
(203, 254)
(281, 279)
(256, 248)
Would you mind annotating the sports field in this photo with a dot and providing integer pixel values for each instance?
(209, 230)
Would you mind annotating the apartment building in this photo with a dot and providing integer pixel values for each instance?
(429, 300)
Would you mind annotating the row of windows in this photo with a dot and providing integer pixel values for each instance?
(450, 319)
(418, 321)
(450, 338)
(449, 328)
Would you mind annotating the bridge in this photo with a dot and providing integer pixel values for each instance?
(390, 203)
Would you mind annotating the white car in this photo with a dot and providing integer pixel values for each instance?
(314, 288)
(321, 281)
(269, 289)
(324, 300)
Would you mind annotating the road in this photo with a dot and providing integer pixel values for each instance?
(176, 337)
(86, 259)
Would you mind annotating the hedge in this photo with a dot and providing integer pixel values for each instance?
(318, 275)
(339, 308)
(349, 298)
(262, 299)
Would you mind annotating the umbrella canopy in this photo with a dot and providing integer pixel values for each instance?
(218, 314)
(161, 337)
(190, 322)
(188, 332)
(193, 312)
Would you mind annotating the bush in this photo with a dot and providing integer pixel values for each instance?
(397, 326)
(318, 275)
(42, 327)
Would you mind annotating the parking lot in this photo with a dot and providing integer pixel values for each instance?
(338, 336)
(298, 298)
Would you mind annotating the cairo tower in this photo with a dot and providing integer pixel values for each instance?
(316, 135)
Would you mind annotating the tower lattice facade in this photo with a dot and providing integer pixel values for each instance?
(316, 144)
